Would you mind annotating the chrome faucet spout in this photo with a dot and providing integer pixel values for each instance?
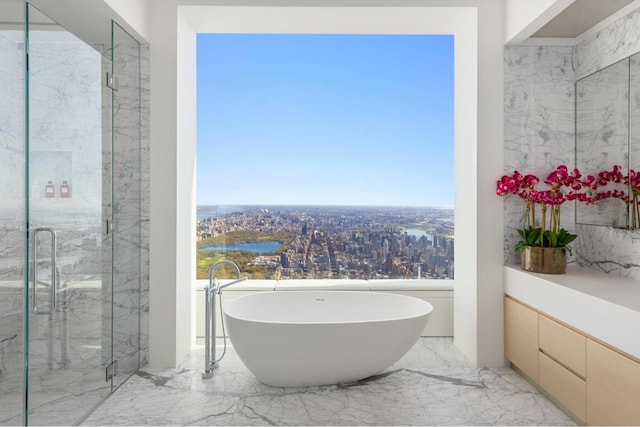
(219, 287)
(215, 266)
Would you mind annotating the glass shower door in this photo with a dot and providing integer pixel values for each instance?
(69, 268)
(12, 212)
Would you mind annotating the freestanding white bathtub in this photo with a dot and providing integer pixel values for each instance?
(304, 338)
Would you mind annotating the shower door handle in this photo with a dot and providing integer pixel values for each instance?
(52, 289)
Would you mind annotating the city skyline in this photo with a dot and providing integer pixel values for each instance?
(305, 242)
(325, 120)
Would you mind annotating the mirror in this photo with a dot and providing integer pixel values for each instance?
(602, 138)
(634, 112)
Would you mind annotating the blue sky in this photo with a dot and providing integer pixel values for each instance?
(325, 120)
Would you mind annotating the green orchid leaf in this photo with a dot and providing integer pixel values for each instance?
(562, 234)
(533, 236)
(552, 238)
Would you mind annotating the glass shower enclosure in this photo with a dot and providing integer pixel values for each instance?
(69, 217)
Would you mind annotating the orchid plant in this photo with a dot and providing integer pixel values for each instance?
(563, 186)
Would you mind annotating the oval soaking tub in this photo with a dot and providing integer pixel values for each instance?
(304, 338)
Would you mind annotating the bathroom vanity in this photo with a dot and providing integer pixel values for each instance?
(577, 337)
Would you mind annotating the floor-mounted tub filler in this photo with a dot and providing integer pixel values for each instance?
(215, 288)
(305, 338)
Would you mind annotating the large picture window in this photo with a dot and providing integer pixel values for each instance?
(326, 156)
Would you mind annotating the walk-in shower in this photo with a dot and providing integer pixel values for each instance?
(70, 213)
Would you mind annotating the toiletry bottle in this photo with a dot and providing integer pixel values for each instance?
(65, 190)
(49, 191)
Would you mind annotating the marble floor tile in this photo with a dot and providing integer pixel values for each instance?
(434, 384)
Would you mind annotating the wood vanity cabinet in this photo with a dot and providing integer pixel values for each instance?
(613, 387)
(521, 337)
(595, 383)
(562, 359)
(562, 344)
(566, 387)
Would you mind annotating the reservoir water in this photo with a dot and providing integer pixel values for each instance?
(254, 247)
(418, 233)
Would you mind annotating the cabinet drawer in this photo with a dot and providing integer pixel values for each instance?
(564, 345)
(566, 387)
(521, 337)
(613, 387)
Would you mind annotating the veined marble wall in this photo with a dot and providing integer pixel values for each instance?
(609, 45)
(539, 124)
(539, 131)
(126, 203)
(145, 190)
(131, 201)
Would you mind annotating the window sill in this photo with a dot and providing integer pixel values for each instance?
(336, 284)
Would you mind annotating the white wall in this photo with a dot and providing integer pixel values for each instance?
(489, 150)
(186, 183)
(135, 12)
(525, 17)
(477, 25)
(465, 307)
(163, 313)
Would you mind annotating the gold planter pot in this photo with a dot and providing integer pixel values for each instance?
(544, 260)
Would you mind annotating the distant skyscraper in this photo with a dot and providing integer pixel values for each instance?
(284, 261)
(304, 229)
(385, 249)
(388, 266)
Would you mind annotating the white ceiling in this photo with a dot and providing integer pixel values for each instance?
(579, 17)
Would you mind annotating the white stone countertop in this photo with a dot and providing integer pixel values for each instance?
(604, 306)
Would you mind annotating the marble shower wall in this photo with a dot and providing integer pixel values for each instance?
(145, 190)
(126, 203)
(539, 124)
(539, 131)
